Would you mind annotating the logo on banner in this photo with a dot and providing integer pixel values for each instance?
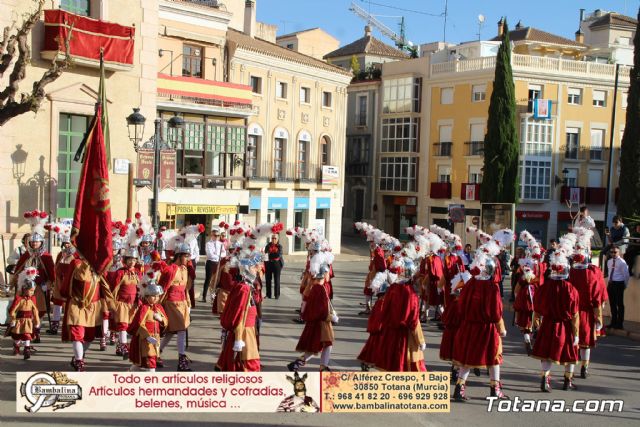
(299, 401)
(167, 169)
(470, 192)
(56, 390)
(541, 108)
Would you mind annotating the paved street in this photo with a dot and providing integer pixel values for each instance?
(615, 372)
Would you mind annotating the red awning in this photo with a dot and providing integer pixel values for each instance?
(88, 37)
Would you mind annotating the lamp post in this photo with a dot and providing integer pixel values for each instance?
(19, 162)
(135, 123)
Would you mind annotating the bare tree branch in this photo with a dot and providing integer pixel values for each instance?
(9, 107)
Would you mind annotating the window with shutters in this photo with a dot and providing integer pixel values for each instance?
(574, 96)
(599, 98)
(478, 93)
(597, 141)
(573, 144)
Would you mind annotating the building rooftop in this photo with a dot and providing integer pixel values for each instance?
(272, 49)
(530, 34)
(295, 33)
(367, 44)
(613, 18)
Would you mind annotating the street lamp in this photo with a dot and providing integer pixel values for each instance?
(19, 162)
(135, 122)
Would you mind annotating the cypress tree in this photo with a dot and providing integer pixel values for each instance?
(500, 178)
(629, 196)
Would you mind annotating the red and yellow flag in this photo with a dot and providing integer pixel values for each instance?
(91, 232)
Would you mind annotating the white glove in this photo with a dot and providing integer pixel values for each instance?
(598, 326)
(439, 291)
(158, 317)
(423, 346)
(503, 333)
(189, 311)
(238, 345)
(576, 341)
(13, 324)
(152, 341)
(334, 318)
(43, 286)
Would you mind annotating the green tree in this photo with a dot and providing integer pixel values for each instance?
(500, 180)
(629, 198)
(355, 66)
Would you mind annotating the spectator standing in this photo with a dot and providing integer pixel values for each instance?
(215, 250)
(618, 279)
(467, 257)
(273, 266)
(617, 236)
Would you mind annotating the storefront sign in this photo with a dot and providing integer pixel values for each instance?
(330, 175)
(301, 203)
(404, 201)
(145, 164)
(532, 215)
(205, 210)
(278, 203)
(167, 169)
(121, 166)
(323, 203)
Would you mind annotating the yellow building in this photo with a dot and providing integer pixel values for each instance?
(563, 156)
(314, 42)
(38, 169)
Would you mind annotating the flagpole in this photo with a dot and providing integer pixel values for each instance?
(157, 142)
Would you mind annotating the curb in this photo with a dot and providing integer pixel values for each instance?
(634, 336)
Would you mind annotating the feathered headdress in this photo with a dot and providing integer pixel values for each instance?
(37, 220)
(479, 234)
(452, 240)
(27, 278)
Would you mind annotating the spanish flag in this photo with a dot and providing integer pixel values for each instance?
(91, 231)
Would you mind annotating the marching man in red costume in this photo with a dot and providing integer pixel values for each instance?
(478, 341)
(318, 314)
(369, 353)
(82, 314)
(124, 286)
(377, 263)
(149, 322)
(451, 321)
(23, 313)
(240, 348)
(402, 343)
(531, 278)
(37, 257)
(557, 304)
(587, 278)
(176, 302)
(432, 272)
(61, 268)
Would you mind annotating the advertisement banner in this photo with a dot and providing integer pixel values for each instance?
(125, 392)
(145, 164)
(330, 175)
(168, 169)
(205, 210)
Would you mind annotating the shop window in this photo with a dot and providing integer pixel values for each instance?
(79, 7)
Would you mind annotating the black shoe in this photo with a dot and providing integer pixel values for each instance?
(364, 367)
(295, 365)
(545, 383)
(268, 297)
(454, 375)
(528, 348)
(584, 372)
(568, 384)
(37, 340)
(459, 394)
(476, 372)
(298, 320)
(496, 391)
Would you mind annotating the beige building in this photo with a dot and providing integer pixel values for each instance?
(261, 123)
(38, 171)
(314, 42)
(297, 136)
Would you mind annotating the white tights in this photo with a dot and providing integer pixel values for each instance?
(325, 356)
(182, 341)
(585, 355)
(105, 327)
(78, 350)
(494, 373)
(463, 373)
(122, 337)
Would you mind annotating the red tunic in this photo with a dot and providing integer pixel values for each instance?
(557, 303)
(239, 316)
(60, 270)
(587, 283)
(46, 274)
(477, 342)
(370, 350)
(400, 314)
(378, 264)
(435, 270)
(315, 315)
(451, 321)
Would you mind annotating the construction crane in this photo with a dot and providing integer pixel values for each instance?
(400, 40)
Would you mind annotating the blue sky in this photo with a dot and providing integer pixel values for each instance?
(558, 17)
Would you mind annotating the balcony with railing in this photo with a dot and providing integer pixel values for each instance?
(568, 194)
(470, 191)
(596, 195)
(442, 149)
(474, 148)
(536, 64)
(590, 154)
(300, 173)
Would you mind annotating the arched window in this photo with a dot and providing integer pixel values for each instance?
(304, 139)
(279, 149)
(254, 142)
(325, 151)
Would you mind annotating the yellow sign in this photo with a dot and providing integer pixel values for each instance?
(205, 210)
(385, 392)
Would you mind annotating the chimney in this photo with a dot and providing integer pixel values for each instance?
(500, 27)
(250, 18)
(581, 15)
(367, 31)
(519, 25)
(579, 33)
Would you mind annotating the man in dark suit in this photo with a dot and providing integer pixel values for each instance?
(273, 265)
